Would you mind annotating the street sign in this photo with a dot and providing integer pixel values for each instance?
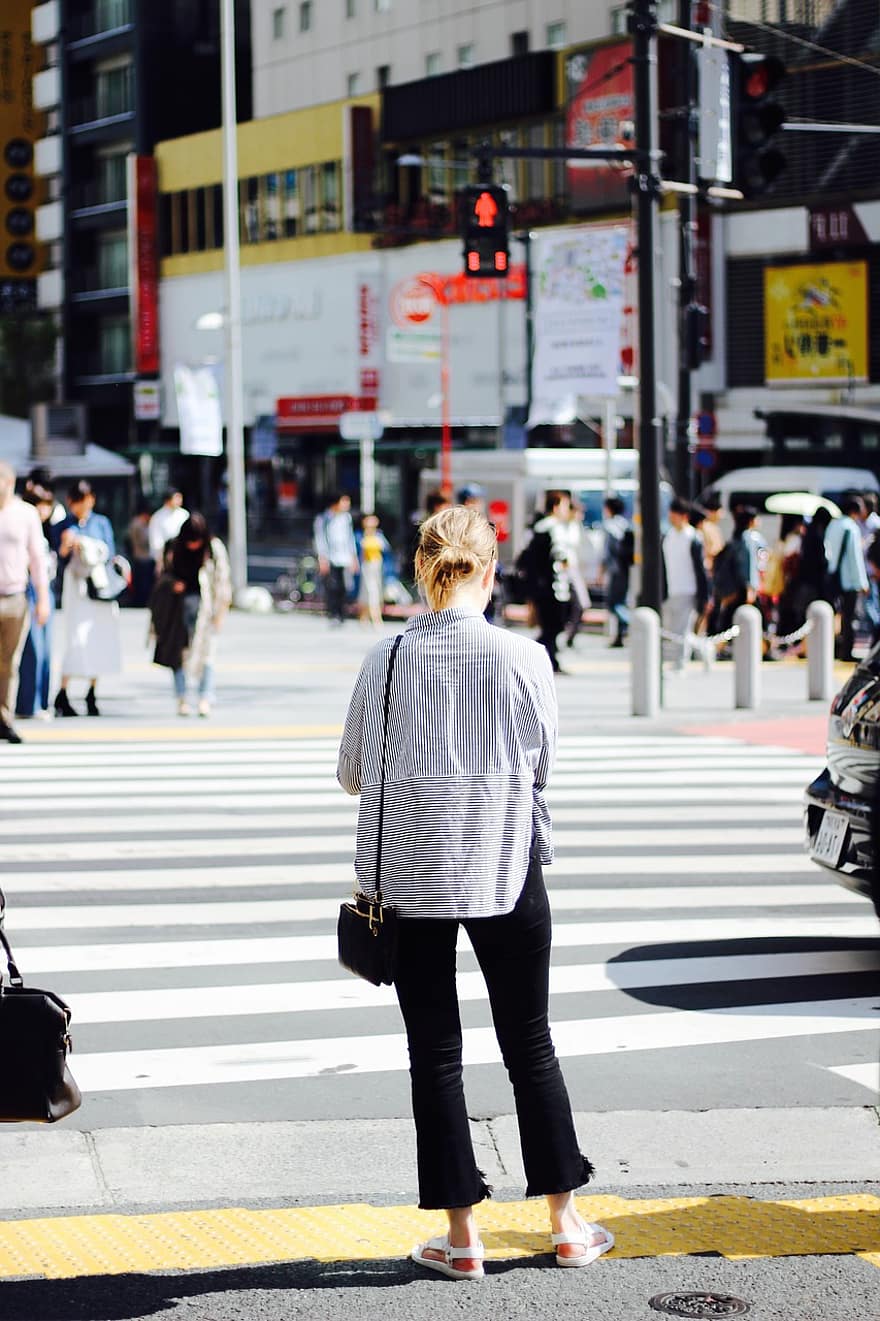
(147, 401)
(360, 426)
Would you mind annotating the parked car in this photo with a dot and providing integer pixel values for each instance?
(842, 805)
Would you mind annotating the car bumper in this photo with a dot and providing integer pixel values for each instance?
(853, 858)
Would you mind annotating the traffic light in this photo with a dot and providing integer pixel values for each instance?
(484, 226)
(18, 252)
(757, 117)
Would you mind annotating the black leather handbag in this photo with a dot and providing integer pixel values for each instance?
(36, 1086)
(367, 928)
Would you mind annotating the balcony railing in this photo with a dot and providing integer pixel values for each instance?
(94, 193)
(107, 103)
(106, 363)
(105, 16)
(94, 281)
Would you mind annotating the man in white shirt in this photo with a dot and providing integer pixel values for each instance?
(165, 524)
(685, 589)
(21, 551)
(337, 552)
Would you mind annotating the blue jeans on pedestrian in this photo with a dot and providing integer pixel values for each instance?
(36, 663)
(206, 682)
(513, 951)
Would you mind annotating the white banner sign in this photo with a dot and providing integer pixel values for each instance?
(198, 408)
(578, 284)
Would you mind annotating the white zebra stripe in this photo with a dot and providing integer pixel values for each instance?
(345, 992)
(83, 917)
(259, 1061)
(298, 949)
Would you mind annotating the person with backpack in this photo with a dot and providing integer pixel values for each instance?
(685, 585)
(735, 577)
(543, 565)
(846, 564)
(617, 563)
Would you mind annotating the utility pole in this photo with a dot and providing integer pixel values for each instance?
(234, 373)
(687, 233)
(646, 183)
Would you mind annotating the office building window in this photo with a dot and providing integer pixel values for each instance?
(433, 64)
(305, 15)
(353, 84)
(114, 346)
(277, 24)
(555, 35)
(349, 8)
(271, 207)
(112, 177)
(113, 261)
(465, 56)
(330, 196)
(249, 206)
(383, 76)
(291, 204)
(114, 90)
(381, 6)
(519, 43)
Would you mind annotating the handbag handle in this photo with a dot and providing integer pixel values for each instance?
(15, 977)
(397, 642)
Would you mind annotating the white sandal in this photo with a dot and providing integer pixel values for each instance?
(474, 1251)
(591, 1250)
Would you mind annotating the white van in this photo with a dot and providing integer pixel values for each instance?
(752, 486)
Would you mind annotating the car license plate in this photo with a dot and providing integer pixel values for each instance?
(830, 839)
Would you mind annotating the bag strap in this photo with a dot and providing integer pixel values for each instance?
(15, 977)
(847, 533)
(397, 642)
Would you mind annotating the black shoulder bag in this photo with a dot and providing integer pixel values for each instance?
(35, 1083)
(367, 928)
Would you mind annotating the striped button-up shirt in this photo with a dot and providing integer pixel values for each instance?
(471, 740)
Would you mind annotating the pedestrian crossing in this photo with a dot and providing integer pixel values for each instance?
(182, 896)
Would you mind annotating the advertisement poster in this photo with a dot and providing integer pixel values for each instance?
(579, 299)
(601, 109)
(816, 323)
(198, 408)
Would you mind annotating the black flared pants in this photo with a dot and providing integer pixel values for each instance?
(513, 952)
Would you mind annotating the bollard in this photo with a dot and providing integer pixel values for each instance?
(747, 658)
(820, 652)
(644, 650)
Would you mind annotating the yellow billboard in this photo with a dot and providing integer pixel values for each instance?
(816, 323)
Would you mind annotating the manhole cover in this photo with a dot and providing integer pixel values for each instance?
(698, 1304)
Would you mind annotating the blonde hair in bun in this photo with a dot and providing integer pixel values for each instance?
(454, 545)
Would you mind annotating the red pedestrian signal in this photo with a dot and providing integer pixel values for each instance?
(484, 229)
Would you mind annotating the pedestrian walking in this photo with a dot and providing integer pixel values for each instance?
(811, 582)
(617, 562)
(544, 564)
(846, 564)
(35, 666)
(573, 540)
(471, 739)
(93, 649)
(372, 550)
(143, 565)
(685, 585)
(189, 603)
(21, 554)
(337, 553)
(736, 576)
(165, 524)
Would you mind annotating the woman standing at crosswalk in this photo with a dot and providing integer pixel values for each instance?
(472, 733)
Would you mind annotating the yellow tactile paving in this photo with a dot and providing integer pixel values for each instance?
(735, 1227)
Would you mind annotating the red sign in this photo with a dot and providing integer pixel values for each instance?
(601, 110)
(318, 412)
(144, 262)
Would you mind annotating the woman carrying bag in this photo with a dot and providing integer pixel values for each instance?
(471, 737)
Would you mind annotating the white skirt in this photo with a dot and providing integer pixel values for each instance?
(93, 647)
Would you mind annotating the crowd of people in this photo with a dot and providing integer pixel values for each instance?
(65, 553)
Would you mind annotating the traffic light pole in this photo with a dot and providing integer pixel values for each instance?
(646, 184)
(687, 227)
